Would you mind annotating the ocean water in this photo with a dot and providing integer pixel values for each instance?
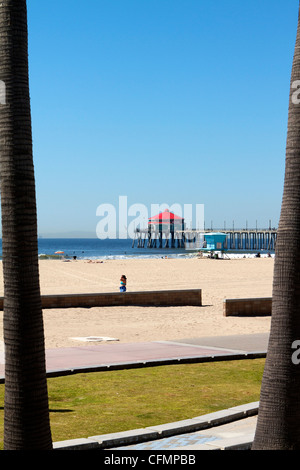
(90, 248)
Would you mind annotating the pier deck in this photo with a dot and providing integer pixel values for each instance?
(236, 239)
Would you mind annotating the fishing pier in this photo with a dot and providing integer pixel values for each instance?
(236, 239)
(166, 230)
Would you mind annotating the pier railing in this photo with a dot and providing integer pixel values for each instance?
(236, 239)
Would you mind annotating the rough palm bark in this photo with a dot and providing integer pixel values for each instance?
(278, 425)
(26, 414)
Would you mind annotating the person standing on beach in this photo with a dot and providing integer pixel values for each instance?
(123, 281)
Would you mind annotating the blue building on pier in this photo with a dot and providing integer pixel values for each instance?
(215, 241)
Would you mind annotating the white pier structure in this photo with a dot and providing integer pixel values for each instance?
(236, 239)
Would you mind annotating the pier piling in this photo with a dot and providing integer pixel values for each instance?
(236, 239)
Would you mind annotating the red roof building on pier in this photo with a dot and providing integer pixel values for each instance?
(166, 221)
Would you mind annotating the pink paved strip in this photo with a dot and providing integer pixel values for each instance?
(106, 354)
(123, 352)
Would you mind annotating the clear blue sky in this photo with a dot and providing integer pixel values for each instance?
(162, 101)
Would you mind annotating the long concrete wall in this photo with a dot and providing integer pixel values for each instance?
(247, 307)
(166, 298)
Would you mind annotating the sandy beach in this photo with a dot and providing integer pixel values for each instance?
(218, 279)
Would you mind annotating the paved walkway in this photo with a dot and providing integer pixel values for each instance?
(228, 429)
(61, 361)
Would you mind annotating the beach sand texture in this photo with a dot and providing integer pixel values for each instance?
(218, 279)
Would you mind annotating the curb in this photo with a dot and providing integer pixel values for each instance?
(152, 363)
(119, 439)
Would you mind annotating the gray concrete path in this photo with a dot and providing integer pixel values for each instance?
(62, 361)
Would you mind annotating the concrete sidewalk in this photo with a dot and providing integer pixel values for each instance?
(109, 356)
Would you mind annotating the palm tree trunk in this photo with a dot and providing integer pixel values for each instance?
(278, 425)
(26, 414)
